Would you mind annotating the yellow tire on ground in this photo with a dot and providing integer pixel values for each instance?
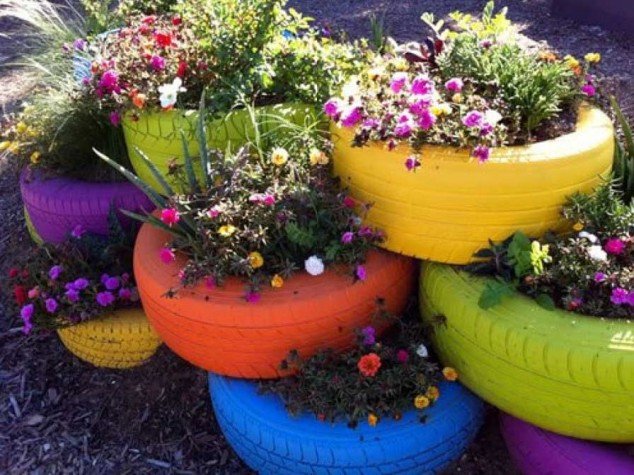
(451, 206)
(564, 372)
(31, 229)
(122, 339)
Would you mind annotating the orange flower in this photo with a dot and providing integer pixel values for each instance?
(450, 374)
(432, 393)
(372, 420)
(369, 364)
(548, 56)
(139, 100)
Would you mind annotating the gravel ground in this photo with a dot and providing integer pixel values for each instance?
(59, 415)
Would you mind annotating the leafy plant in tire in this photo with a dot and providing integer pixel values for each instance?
(378, 378)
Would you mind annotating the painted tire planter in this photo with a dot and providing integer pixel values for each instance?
(122, 339)
(567, 373)
(157, 134)
(537, 452)
(272, 442)
(31, 230)
(55, 206)
(451, 206)
(216, 329)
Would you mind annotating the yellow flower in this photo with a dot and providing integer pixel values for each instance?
(421, 402)
(21, 127)
(571, 61)
(457, 98)
(35, 157)
(226, 230)
(375, 73)
(4, 145)
(441, 109)
(450, 374)
(432, 393)
(279, 156)
(256, 260)
(577, 227)
(277, 281)
(400, 64)
(593, 57)
(14, 147)
(317, 157)
(372, 420)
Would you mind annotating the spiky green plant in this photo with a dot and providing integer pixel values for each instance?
(623, 153)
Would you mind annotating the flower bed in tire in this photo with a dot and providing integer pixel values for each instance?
(270, 441)
(56, 206)
(564, 372)
(157, 134)
(218, 330)
(535, 452)
(451, 205)
(122, 339)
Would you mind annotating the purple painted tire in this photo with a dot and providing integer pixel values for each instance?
(538, 452)
(55, 206)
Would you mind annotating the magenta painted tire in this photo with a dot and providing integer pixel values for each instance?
(56, 205)
(538, 452)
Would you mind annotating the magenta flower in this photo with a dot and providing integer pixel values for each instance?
(78, 231)
(347, 237)
(262, 198)
(349, 202)
(333, 107)
(213, 212)
(630, 298)
(412, 163)
(619, 296)
(157, 63)
(125, 293)
(54, 272)
(473, 119)
(170, 216)
(422, 85)
(614, 246)
(210, 282)
(482, 153)
(361, 273)
(252, 297)
(369, 335)
(403, 129)
(105, 298)
(398, 82)
(426, 120)
(371, 123)
(109, 82)
(51, 305)
(115, 118)
(599, 277)
(112, 283)
(589, 90)
(351, 116)
(365, 232)
(420, 104)
(167, 255)
(454, 85)
(486, 129)
(402, 356)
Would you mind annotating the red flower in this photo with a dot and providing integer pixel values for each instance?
(13, 273)
(20, 295)
(369, 364)
(164, 40)
(182, 69)
(321, 417)
(176, 21)
(349, 202)
(402, 356)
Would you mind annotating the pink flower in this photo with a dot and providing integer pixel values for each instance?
(614, 246)
(589, 90)
(420, 104)
(115, 118)
(333, 107)
(412, 163)
(473, 119)
(454, 85)
(33, 293)
(422, 85)
(361, 272)
(398, 82)
(349, 202)
(109, 82)
(167, 255)
(213, 212)
(347, 237)
(402, 356)
(78, 231)
(482, 153)
(170, 216)
(157, 63)
(252, 297)
(426, 120)
(262, 198)
(351, 116)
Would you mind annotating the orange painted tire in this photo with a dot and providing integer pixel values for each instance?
(216, 329)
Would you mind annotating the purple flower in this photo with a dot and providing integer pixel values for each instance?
(630, 298)
(26, 313)
(157, 63)
(125, 294)
(426, 120)
(486, 129)
(54, 272)
(369, 336)
(79, 44)
(81, 283)
(361, 273)
(115, 118)
(333, 107)
(351, 116)
(51, 305)
(112, 283)
(105, 298)
(473, 119)
(403, 129)
(109, 82)
(422, 85)
(420, 104)
(600, 277)
(486, 44)
(72, 295)
(412, 162)
(454, 85)
(589, 90)
(125, 278)
(482, 153)
(347, 237)
(365, 232)
(78, 231)
(398, 81)
(619, 296)
(371, 123)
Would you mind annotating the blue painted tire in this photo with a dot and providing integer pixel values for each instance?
(269, 441)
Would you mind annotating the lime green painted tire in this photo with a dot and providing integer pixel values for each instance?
(157, 134)
(566, 373)
(31, 229)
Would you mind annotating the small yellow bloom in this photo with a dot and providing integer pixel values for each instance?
(226, 230)
(277, 281)
(4, 145)
(450, 374)
(400, 64)
(256, 260)
(571, 61)
(375, 73)
(21, 127)
(35, 157)
(577, 226)
(441, 109)
(593, 57)
(421, 402)
(279, 156)
(14, 147)
(317, 157)
(457, 98)
(432, 393)
(372, 420)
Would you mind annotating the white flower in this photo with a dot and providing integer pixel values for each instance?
(169, 92)
(422, 351)
(597, 253)
(351, 88)
(492, 117)
(590, 237)
(314, 265)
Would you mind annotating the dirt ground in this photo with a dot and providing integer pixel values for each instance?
(59, 415)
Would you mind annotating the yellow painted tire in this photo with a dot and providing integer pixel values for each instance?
(566, 373)
(123, 339)
(31, 229)
(157, 134)
(451, 206)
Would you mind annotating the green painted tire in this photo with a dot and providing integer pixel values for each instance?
(31, 229)
(566, 373)
(157, 134)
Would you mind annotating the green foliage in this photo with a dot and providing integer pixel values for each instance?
(378, 32)
(624, 154)
(104, 15)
